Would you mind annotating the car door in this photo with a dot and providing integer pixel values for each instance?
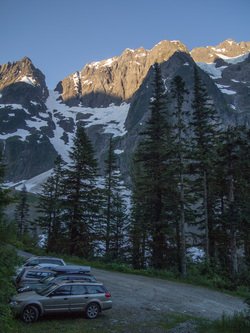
(58, 300)
(78, 298)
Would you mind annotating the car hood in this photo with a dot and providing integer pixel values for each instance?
(30, 285)
(34, 286)
(25, 296)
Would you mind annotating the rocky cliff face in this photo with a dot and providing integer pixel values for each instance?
(24, 129)
(110, 97)
(21, 82)
(114, 80)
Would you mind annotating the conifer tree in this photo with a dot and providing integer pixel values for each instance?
(114, 206)
(182, 159)
(5, 198)
(235, 163)
(155, 183)
(139, 227)
(205, 134)
(119, 224)
(108, 192)
(81, 204)
(8, 257)
(22, 211)
(51, 207)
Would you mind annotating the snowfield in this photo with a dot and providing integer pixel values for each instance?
(113, 118)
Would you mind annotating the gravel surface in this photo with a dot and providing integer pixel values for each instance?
(139, 293)
(140, 302)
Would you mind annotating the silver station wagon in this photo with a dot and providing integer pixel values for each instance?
(90, 298)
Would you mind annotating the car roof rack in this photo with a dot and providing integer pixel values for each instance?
(71, 269)
(80, 281)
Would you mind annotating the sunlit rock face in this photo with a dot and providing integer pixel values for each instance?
(114, 80)
(227, 49)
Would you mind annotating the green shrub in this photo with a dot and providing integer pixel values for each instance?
(239, 323)
(8, 260)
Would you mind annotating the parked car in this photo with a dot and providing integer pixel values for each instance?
(33, 261)
(42, 283)
(71, 269)
(28, 275)
(46, 266)
(43, 260)
(71, 296)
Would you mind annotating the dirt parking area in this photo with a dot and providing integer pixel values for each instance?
(144, 294)
(140, 303)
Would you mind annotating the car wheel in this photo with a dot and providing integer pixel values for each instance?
(30, 314)
(92, 311)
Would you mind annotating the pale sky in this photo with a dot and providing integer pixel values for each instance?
(61, 36)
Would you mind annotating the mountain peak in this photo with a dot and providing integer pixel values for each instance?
(116, 79)
(227, 49)
(18, 73)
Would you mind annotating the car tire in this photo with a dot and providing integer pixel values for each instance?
(92, 311)
(30, 314)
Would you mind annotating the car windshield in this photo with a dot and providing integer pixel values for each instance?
(46, 279)
(47, 289)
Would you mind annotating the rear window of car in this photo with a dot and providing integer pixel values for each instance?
(50, 261)
(37, 275)
(95, 289)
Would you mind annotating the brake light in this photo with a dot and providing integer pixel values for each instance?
(107, 295)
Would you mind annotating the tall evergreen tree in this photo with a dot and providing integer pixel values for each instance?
(154, 190)
(205, 133)
(8, 257)
(181, 145)
(234, 153)
(22, 211)
(81, 205)
(51, 207)
(139, 229)
(5, 197)
(110, 182)
(119, 223)
(114, 206)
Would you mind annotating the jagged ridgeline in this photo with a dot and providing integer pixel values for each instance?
(109, 97)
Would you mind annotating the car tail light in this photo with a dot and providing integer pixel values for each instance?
(107, 295)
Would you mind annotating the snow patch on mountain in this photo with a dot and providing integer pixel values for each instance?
(14, 107)
(211, 69)
(225, 89)
(216, 72)
(33, 185)
(112, 118)
(234, 60)
(20, 133)
(28, 80)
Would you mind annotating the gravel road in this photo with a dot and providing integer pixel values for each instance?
(137, 299)
(139, 293)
